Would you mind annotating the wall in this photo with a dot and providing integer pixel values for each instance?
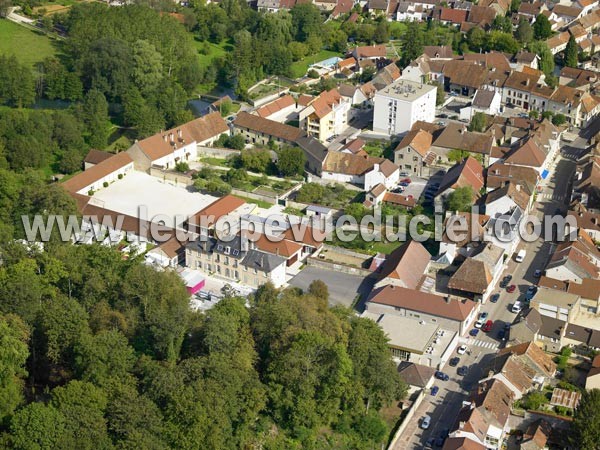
(445, 323)
(172, 176)
(316, 262)
(264, 198)
(109, 178)
(407, 419)
(214, 152)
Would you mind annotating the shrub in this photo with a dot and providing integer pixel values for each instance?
(91, 192)
(120, 176)
(312, 73)
(105, 184)
(182, 167)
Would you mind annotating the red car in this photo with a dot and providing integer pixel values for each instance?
(510, 289)
(487, 326)
(406, 180)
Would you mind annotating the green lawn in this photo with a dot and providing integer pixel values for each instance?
(299, 68)
(28, 46)
(207, 51)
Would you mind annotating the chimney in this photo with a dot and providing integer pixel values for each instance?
(165, 138)
(518, 187)
(171, 137)
(180, 134)
(527, 82)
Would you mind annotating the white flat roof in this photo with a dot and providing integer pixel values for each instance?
(138, 189)
(403, 332)
(406, 90)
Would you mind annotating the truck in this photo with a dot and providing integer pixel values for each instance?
(520, 256)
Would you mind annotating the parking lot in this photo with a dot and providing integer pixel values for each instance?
(343, 287)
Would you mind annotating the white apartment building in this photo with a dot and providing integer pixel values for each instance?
(401, 104)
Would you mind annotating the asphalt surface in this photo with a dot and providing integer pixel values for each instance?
(343, 287)
(445, 406)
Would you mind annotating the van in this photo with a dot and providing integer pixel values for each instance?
(516, 307)
(520, 256)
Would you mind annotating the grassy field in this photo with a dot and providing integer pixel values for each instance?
(207, 51)
(299, 68)
(28, 46)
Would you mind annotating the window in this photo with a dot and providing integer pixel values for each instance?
(227, 260)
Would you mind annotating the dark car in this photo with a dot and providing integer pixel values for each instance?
(501, 334)
(494, 298)
(474, 332)
(454, 361)
(505, 281)
(439, 442)
(441, 376)
(434, 390)
(510, 289)
(507, 326)
(462, 371)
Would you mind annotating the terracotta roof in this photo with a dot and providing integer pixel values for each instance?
(350, 164)
(500, 173)
(355, 145)
(534, 355)
(456, 135)
(306, 235)
(562, 397)
(465, 73)
(525, 57)
(371, 51)
(304, 99)
(277, 246)
(399, 199)
(483, 98)
(467, 173)
(349, 63)
(516, 372)
(217, 209)
(268, 127)
(406, 263)
(471, 226)
(276, 106)
(538, 432)
(461, 443)
(342, 7)
(472, 276)
(97, 172)
(494, 399)
(568, 11)
(415, 374)
(324, 102)
(438, 51)
(481, 15)
(198, 130)
(377, 190)
(527, 154)
(172, 247)
(424, 302)
(596, 361)
(419, 140)
(513, 190)
(558, 40)
(456, 16)
(96, 156)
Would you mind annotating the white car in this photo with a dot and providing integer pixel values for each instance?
(479, 323)
(462, 350)
(425, 422)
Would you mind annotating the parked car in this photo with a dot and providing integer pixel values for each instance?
(402, 183)
(520, 256)
(425, 422)
(502, 334)
(537, 273)
(443, 116)
(434, 390)
(507, 279)
(474, 332)
(479, 323)
(462, 350)
(483, 315)
(494, 298)
(441, 123)
(510, 289)
(516, 307)
(530, 293)
(488, 326)
(441, 376)
(462, 371)
(439, 442)
(406, 180)
(454, 361)
(403, 174)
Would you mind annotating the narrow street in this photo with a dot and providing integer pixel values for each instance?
(444, 407)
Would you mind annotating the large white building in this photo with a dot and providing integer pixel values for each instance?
(401, 104)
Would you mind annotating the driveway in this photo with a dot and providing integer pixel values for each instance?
(343, 287)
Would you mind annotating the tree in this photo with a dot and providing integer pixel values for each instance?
(461, 199)
(256, 160)
(534, 400)
(381, 34)
(478, 122)
(291, 161)
(440, 95)
(237, 177)
(356, 210)
(524, 32)
(570, 55)
(542, 29)
(515, 5)
(95, 116)
(319, 289)
(310, 193)
(306, 21)
(14, 351)
(476, 38)
(585, 428)
(147, 70)
(37, 427)
(559, 119)
(502, 23)
(412, 43)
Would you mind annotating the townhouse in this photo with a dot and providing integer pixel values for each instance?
(326, 115)
(468, 173)
(364, 171)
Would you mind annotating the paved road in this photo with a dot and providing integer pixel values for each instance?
(445, 406)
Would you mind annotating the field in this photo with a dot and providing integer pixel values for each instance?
(299, 68)
(28, 46)
(207, 51)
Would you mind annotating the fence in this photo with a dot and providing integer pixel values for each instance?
(407, 418)
(337, 267)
